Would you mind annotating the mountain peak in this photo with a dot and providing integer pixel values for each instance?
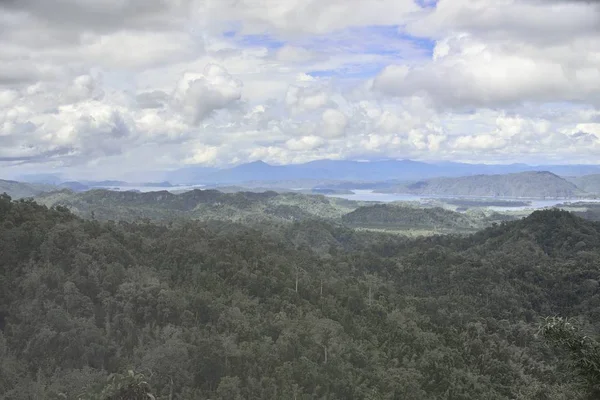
(554, 231)
(258, 163)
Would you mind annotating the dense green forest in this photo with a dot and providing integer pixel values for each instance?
(260, 207)
(400, 216)
(245, 207)
(301, 310)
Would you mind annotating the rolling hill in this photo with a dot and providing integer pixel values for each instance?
(534, 184)
(199, 205)
(396, 216)
(269, 206)
(19, 190)
(587, 183)
(225, 311)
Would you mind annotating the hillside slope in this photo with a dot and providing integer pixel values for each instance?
(396, 216)
(224, 311)
(587, 183)
(539, 184)
(200, 205)
(18, 190)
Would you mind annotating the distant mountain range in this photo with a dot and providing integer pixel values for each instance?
(337, 170)
(330, 176)
(319, 171)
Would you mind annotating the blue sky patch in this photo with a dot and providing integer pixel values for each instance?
(389, 42)
(350, 71)
(381, 40)
(260, 41)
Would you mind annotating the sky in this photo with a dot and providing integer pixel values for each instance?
(119, 88)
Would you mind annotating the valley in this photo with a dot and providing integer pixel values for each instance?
(299, 200)
(215, 308)
(266, 281)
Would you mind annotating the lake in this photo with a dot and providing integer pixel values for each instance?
(369, 195)
(145, 189)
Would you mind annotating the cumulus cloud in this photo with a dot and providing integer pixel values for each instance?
(83, 87)
(133, 49)
(299, 99)
(334, 123)
(152, 99)
(103, 15)
(536, 21)
(294, 54)
(198, 95)
(88, 84)
(503, 53)
(468, 72)
(293, 17)
(305, 143)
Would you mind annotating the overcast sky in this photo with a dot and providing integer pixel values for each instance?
(105, 87)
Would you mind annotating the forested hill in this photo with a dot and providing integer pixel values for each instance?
(392, 215)
(303, 310)
(553, 232)
(199, 204)
(19, 190)
(252, 207)
(537, 184)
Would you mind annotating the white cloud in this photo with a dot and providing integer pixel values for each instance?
(469, 72)
(305, 143)
(300, 99)
(207, 155)
(198, 95)
(133, 49)
(541, 22)
(334, 123)
(158, 83)
(294, 17)
(292, 54)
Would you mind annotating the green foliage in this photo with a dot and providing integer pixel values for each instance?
(247, 207)
(396, 216)
(130, 386)
(302, 310)
(584, 352)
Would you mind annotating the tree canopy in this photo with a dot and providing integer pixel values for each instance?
(221, 310)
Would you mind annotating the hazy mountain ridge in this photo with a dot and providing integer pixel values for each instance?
(18, 190)
(406, 176)
(587, 183)
(342, 170)
(535, 184)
